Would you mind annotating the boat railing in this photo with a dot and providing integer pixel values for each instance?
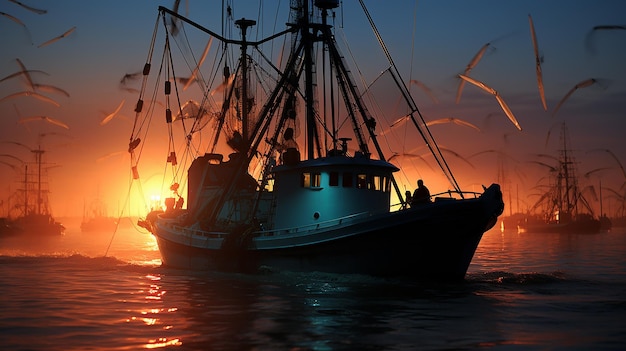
(449, 195)
(173, 223)
(454, 194)
(189, 231)
(314, 226)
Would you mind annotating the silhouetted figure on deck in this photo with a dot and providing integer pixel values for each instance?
(421, 195)
(290, 153)
(288, 140)
(408, 197)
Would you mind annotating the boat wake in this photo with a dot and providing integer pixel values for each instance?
(73, 260)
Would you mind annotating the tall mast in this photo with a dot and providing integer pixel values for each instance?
(566, 170)
(307, 37)
(38, 154)
(25, 190)
(243, 24)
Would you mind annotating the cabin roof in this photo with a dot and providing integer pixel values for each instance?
(338, 161)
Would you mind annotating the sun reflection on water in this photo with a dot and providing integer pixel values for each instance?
(152, 316)
(163, 342)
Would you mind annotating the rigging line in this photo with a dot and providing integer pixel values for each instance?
(144, 80)
(182, 50)
(163, 178)
(171, 66)
(259, 17)
(323, 108)
(206, 101)
(201, 81)
(196, 70)
(274, 30)
(262, 125)
(149, 114)
(413, 43)
(224, 109)
(126, 202)
(170, 129)
(438, 155)
(380, 111)
(207, 94)
(351, 96)
(269, 62)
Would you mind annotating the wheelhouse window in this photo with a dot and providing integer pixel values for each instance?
(333, 179)
(311, 180)
(347, 180)
(361, 181)
(377, 183)
(316, 180)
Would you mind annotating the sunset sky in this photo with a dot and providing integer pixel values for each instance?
(431, 41)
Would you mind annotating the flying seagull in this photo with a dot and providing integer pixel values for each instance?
(425, 88)
(45, 119)
(537, 64)
(33, 94)
(595, 29)
(491, 91)
(583, 84)
(469, 68)
(29, 8)
(453, 120)
(51, 89)
(109, 117)
(68, 32)
(25, 73)
(196, 70)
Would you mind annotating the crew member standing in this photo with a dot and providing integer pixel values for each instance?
(421, 195)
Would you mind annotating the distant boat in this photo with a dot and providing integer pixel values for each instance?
(619, 221)
(564, 207)
(582, 223)
(33, 208)
(39, 224)
(267, 206)
(605, 223)
(7, 227)
(511, 222)
(95, 218)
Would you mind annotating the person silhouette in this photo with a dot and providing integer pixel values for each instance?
(421, 195)
(289, 142)
(409, 199)
(289, 150)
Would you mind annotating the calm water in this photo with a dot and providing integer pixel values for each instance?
(523, 292)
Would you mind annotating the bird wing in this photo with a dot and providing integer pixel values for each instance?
(33, 94)
(537, 64)
(68, 32)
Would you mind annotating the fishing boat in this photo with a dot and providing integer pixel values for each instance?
(96, 219)
(562, 208)
(286, 197)
(34, 216)
(7, 228)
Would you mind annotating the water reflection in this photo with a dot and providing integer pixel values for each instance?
(528, 290)
(221, 311)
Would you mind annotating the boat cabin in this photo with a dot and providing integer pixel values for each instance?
(313, 191)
